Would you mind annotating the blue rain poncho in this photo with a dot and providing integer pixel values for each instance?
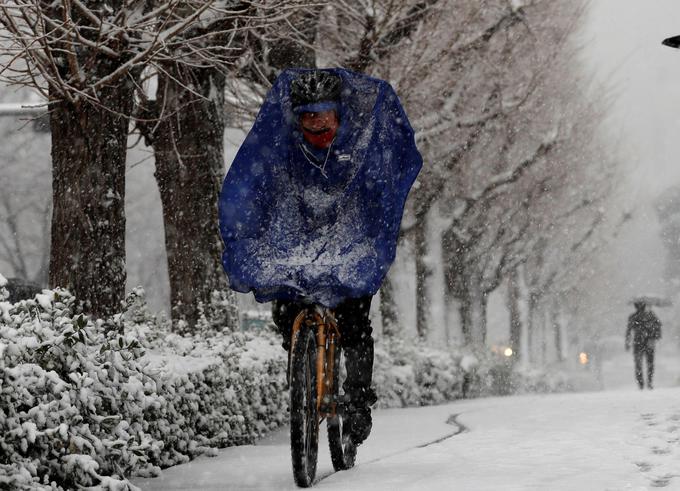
(319, 226)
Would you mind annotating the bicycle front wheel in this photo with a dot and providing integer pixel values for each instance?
(304, 417)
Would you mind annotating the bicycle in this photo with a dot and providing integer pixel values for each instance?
(314, 373)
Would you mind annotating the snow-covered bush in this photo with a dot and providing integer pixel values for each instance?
(91, 403)
(414, 374)
(498, 376)
(220, 312)
(537, 380)
(86, 403)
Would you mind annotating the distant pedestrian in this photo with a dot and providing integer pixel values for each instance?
(645, 329)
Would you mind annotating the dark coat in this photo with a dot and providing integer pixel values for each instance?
(645, 328)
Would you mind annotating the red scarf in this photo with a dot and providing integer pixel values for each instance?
(321, 139)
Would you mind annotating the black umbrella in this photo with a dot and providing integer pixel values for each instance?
(673, 42)
(652, 301)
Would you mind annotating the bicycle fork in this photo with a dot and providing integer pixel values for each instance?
(327, 336)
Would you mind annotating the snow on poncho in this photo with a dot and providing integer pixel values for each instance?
(296, 229)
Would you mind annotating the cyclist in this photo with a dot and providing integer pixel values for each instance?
(311, 207)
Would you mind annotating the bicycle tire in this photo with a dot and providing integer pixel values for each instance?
(343, 451)
(304, 418)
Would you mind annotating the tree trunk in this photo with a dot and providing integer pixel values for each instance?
(189, 151)
(453, 261)
(452, 318)
(473, 312)
(515, 315)
(532, 327)
(388, 309)
(545, 320)
(423, 273)
(557, 332)
(89, 144)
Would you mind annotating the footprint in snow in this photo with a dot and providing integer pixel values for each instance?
(660, 451)
(660, 434)
(661, 482)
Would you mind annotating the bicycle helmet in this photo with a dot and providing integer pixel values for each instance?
(314, 91)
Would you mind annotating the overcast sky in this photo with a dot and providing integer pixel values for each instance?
(623, 45)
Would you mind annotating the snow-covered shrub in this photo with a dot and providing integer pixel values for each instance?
(413, 374)
(220, 314)
(537, 380)
(498, 376)
(86, 403)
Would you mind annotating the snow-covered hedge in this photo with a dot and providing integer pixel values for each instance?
(413, 374)
(410, 373)
(90, 403)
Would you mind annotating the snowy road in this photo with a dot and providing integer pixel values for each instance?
(615, 440)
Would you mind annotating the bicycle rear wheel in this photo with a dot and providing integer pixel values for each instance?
(343, 451)
(304, 418)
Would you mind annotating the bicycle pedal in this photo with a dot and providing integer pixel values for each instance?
(343, 399)
(327, 409)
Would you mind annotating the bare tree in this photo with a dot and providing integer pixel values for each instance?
(86, 58)
(184, 122)
(368, 37)
(464, 70)
(456, 108)
(452, 106)
(493, 138)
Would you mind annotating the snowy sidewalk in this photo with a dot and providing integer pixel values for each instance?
(587, 441)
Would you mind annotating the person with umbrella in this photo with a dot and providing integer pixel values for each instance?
(644, 328)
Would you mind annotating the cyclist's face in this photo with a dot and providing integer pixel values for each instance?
(319, 128)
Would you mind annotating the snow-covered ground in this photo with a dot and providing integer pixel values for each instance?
(611, 440)
(618, 370)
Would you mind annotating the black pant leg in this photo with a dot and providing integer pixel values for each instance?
(650, 364)
(357, 343)
(284, 313)
(637, 355)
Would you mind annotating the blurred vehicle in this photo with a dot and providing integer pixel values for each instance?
(20, 289)
(256, 319)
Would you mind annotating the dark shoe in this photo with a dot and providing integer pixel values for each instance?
(358, 414)
(359, 424)
(360, 397)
